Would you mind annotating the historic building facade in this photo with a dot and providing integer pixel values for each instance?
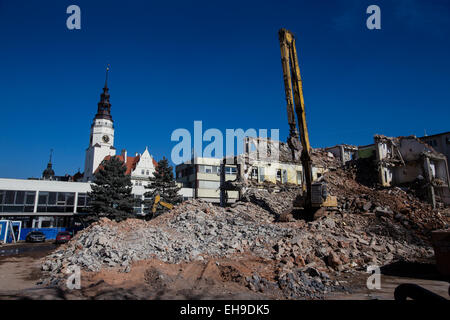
(101, 147)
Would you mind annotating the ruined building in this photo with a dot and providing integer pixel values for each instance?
(440, 142)
(407, 161)
(344, 152)
(266, 164)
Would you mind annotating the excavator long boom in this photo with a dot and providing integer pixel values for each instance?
(295, 101)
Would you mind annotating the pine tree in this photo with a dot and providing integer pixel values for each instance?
(111, 195)
(162, 183)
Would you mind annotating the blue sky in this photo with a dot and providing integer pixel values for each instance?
(216, 61)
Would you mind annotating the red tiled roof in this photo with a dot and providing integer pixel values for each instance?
(131, 162)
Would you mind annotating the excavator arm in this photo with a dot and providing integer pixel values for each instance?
(164, 204)
(296, 104)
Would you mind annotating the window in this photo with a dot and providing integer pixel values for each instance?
(61, 197)
(299, 177)
(9, 198)
(254, 174)
(52, 198)
(20, 197)
(81, 199)
(70, 198)
(142, 171)
(261, 174)
(43, 197)
(31, 195)
(148, 173)
(208, 184)
(230, 170)
(205, 169)
(282, 175)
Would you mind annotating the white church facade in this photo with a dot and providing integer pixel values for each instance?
(140, 167)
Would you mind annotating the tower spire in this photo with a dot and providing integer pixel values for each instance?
(106, 77)
(48, 173)
(104, 106)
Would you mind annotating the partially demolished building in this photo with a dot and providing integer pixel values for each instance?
(409, 161)
(344, 152)
(265, 164)
(274, 165)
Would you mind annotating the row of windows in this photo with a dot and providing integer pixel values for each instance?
(23, 201)
(216, 169)
(205, 169)
(17, 197)
(25, 208)
(257, 173)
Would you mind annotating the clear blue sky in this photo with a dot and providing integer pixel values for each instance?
(219, 62)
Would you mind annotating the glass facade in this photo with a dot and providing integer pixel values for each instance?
(23, 201)
(17, 201)
(55, 201)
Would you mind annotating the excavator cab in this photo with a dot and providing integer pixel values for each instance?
(320, 196)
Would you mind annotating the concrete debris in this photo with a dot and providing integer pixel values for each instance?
(370, 226)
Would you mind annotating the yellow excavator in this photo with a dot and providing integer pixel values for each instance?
(315, 195)
(158, 201)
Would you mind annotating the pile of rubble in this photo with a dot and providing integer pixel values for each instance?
(370, 227)
(306, 254)
(275, 203)
(192, 231)
(393, 204)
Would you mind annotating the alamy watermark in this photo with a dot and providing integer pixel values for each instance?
(74, 279)
(374, 20)
(74, 20)
(374, 280)
(191, 147)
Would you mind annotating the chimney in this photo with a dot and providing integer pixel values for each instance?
(124, 154)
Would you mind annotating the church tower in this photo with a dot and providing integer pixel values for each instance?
(101, 142)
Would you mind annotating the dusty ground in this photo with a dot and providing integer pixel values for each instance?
(215, 279)
(20, 267)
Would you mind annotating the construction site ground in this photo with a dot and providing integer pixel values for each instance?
(215, 279)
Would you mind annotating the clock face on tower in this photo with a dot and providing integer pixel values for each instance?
(105, 138)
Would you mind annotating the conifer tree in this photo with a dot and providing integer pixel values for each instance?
(162, 183)
(111, 195)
